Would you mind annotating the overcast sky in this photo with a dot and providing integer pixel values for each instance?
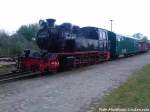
(130, 16)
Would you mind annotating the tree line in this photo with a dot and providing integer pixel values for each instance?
(23, 38)
(141, 37)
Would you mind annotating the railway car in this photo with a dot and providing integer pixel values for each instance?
(143, 46)
(68, 46)
(121, 45)
(126, 45)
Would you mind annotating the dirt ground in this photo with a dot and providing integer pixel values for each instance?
(71, 91)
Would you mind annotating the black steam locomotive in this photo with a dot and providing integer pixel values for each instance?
(69, 38)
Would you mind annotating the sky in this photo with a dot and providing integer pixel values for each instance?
(129, 16)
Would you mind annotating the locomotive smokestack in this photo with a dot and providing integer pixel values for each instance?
(51, 22)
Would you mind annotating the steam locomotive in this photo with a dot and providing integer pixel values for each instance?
(69, 38)
(68, 46)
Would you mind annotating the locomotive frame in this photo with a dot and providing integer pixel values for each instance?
(61, 61)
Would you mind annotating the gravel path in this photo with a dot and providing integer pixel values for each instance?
(70, 91)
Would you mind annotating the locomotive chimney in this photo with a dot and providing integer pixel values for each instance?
(51, 22)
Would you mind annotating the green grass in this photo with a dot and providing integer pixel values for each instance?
(134, 93)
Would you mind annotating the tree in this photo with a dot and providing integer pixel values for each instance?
(138, 35)
(3, 34)
(141, 37)
(28, 31)
(4, 42)
(145, 39)
(15, 44)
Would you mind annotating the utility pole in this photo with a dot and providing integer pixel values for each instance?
(111, 24)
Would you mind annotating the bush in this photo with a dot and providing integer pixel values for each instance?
(15, 44)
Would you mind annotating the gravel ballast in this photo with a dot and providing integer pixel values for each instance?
(70, 91)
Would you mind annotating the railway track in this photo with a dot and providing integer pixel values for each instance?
(16, 75)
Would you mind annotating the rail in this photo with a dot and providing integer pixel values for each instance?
(16, 75)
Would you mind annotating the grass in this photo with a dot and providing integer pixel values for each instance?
(134, 93)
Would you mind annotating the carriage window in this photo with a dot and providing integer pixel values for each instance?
(104, 36)
(101, 34)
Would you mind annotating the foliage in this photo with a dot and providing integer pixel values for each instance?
(12, 45)
(145, 39)
(28, 31)
(138, 35)
(141, 37)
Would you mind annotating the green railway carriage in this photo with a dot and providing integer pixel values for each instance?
(126, 45)
(122, 45)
